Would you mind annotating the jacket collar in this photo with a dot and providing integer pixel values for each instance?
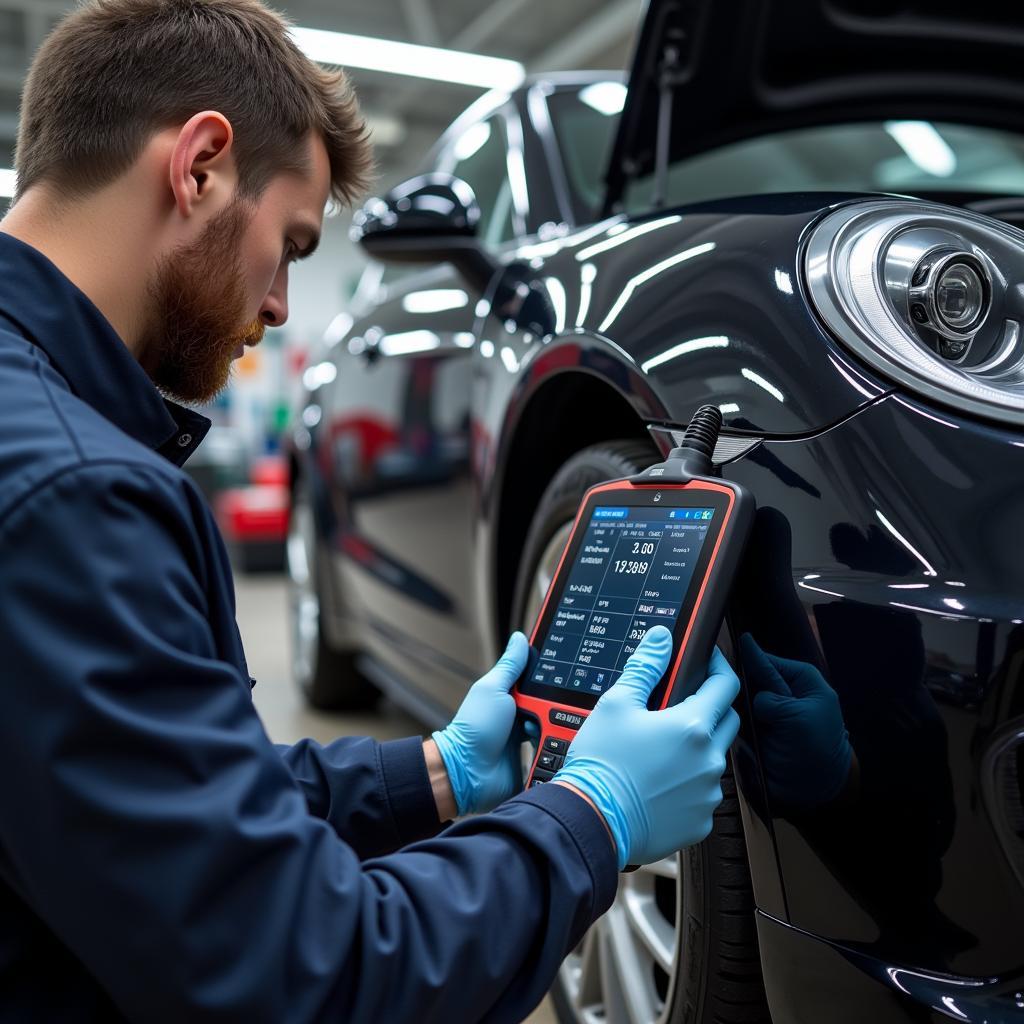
(57, 316)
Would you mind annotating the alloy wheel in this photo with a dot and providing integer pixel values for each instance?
(624, 968)
(305, 604)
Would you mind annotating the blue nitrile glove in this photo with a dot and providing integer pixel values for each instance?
(655, 776)
(805, 748)
(480, 748)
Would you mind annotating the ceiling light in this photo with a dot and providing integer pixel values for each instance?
(393, 57)
(409, 342)
(682, 349)
(434, 300)
(756, 378)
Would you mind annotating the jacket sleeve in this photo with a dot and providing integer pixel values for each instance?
(154, 828)
(376, 796)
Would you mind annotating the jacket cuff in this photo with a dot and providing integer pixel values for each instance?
(408, 790)
(591, 836)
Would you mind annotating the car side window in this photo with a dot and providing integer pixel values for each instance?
(479, 156)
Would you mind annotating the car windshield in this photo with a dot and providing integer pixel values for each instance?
(885, 156)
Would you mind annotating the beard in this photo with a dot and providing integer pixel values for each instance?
(198, 312)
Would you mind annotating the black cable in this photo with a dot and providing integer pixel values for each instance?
(693, 457)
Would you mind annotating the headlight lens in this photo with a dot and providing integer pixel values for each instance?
(959, 297)
(931, 296)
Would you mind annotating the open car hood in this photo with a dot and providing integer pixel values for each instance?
(744, 68)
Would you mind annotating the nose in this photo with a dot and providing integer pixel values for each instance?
(274, 311)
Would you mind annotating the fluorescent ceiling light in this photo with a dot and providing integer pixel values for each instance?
(684, 347)
(819, 590)
(434, 300)
(621, 235)
(6, 183)
(756, 378)
(408, 342)
(319, 374)
(928, 570)
(337, 329)
(644, 276)
(508, 357)
(924, 145)
(606, 98)
(556, 292)
(397, 58)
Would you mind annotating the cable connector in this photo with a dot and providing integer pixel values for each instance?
(693, 458)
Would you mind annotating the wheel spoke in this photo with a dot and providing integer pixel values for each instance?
(588, 973)
(649, 924)
(626, 975)
(545, 571)
(668, 867)
(305, 605)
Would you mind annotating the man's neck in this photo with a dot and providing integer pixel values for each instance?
(87, 241)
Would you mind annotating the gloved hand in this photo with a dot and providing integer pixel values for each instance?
(480, 748)
(655, 775)
(805, 748)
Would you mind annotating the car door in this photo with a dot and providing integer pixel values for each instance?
(399, 439)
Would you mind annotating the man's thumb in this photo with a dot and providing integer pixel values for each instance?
(510, 665)
(646, 666)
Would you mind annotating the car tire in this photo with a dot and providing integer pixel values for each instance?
(329, 679)
(679, 944)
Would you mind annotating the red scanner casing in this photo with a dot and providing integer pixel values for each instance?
(694, 638)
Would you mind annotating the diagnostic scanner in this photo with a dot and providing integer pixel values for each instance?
(658, 548)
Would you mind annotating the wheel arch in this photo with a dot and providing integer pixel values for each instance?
(564, 413)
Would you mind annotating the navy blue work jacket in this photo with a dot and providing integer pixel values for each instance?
(160, 858)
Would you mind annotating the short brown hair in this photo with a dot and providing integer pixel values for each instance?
(114, 72)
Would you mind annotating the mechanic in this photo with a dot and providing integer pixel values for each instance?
(160, 858)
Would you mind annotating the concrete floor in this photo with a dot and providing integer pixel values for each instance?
(263, 621)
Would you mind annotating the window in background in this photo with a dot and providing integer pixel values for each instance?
(585, 123)
(479, 156)
(909, 157)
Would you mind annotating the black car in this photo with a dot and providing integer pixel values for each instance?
(802, 212)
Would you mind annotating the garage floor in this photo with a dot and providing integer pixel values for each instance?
(262, 619)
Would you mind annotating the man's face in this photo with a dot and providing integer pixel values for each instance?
(212, 297)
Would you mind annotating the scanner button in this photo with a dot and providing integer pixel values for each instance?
(548, 761)
(540, 775)
(553, 746)
(566, 719)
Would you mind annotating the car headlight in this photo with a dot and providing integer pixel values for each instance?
(930, 296)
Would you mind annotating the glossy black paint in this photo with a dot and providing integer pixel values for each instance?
(810, 980)
(688, 282)
(439, 432)
(431, 204)
(928, 668)
(431, 218)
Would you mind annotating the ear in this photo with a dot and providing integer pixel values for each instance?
(202, 161)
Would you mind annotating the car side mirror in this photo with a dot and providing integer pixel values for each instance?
(431, 218)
